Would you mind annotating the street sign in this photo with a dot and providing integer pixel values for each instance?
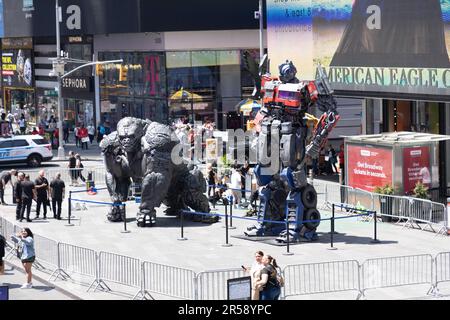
(50, 93)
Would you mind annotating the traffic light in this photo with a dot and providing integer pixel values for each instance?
(123, 73)
(99, 70)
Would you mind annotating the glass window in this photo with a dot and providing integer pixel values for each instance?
(6, 144)
(21, 143)
(40, 142)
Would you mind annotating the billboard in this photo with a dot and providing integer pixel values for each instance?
(17, 68)
(369, 167)
(416, 167)
(396, 46)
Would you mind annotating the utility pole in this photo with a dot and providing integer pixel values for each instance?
(261, 31)
(58, 70)
(59, 66)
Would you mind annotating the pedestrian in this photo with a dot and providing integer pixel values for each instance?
(212, 176)
(18, 194)
(5, 178)
(2, 254)
(41, 184)
(72, 167)
(28, 195)
(100, 133)
(91, 132)
(22, 124)
(25, 241)
(332, 159)
(342, 162)
(244, 171)
(79, 168)
(255, 273)
(57, 193)
(77, 136)
(269, 284)
(236, 186)
(84, 137)
(66, 131)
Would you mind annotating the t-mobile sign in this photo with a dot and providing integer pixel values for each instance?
(416, 167)
(369, 167)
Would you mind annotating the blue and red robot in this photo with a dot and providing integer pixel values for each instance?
(285, 124)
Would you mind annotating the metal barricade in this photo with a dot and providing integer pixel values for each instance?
(439, 217)
(77, 260)
(168, 281)
(212, 285)
(335, 193)
(397, 272)
(326, 277)
(441, 271)
(118, 269)
(46, 251)
(392, 208)
(420, 212)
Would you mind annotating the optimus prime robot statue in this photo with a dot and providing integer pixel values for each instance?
(141, 151)
(286, 192)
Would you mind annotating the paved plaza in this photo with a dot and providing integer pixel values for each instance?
(204, 248)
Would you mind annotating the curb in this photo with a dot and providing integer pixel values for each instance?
(49, 284)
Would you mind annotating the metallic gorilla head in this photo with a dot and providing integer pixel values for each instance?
(130, 131)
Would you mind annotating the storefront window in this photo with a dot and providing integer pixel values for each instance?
(127, 89)
(20, 102)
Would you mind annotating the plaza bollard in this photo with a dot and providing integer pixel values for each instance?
(227, 244)
(231, 214)
(332, 228)
(375, 240)
(69, 224)
(182, 238)
(288, 253)
(125, 220)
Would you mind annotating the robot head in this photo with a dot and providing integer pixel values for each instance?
(130, 132)
(288, 72)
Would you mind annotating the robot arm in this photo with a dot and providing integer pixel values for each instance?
(321, 94)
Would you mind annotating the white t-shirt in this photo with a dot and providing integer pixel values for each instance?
(235, 180)
(91, 130)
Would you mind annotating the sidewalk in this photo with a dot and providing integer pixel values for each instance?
(42, 290)
(92, 154)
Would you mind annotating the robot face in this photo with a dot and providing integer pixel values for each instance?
(27, 72)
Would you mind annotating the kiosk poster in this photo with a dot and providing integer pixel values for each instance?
(17, 68)
(416, 167)
(369, 167)
(396, 46)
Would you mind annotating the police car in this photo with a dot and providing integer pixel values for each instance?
(32, 150)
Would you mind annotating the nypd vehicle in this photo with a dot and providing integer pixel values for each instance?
(32, 150)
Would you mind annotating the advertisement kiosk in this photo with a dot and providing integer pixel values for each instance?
(398, 159)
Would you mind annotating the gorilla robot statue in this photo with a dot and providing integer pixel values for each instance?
(140, 151)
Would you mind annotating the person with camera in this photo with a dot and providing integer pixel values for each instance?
(255, 273)
(269, 284)
(24, 240)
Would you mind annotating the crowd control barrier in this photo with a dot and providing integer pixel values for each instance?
(212, 285)
(409, 211)
(118, 269)
(167, 280)
(441, 270)
(397, 271)
(77, 260)
(315, 278)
